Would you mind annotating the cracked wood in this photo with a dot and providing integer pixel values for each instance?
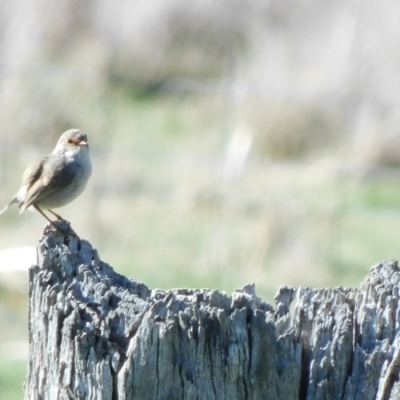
(95, 334)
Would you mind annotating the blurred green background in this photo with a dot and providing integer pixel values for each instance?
(232, 142)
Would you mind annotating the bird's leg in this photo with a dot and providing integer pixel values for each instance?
(56, 215)
(60, 229)
(44, 215)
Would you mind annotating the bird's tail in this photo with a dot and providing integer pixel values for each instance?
(13, 201)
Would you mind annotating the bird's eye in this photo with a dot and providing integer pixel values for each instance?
(70, 141)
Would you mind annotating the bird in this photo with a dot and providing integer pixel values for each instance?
(56, 179)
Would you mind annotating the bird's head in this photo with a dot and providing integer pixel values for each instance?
(72, 141)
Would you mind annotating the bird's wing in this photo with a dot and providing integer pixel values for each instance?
(54, 175)
(29, 177)
(33, 172)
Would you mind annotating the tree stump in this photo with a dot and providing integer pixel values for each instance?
(95, 334)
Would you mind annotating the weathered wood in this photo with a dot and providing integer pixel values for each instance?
(95, 334)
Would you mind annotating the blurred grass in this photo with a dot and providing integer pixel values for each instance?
(13, 337)
(12, 377)
(160, 210)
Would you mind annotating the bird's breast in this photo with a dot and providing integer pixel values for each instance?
(78, 170)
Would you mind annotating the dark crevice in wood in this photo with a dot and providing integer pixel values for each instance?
(305, 375)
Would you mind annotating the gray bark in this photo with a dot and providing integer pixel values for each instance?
(95, 334)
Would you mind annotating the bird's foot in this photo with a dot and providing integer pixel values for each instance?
(64, 227)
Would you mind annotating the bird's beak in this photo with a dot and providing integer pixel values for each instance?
(82, 143)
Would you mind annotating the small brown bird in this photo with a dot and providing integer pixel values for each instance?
(55, 180)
